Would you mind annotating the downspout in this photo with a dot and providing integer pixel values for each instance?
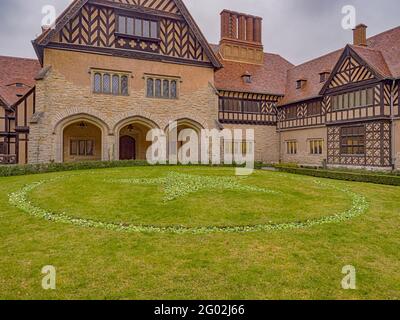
(393, 124)
(278, 125)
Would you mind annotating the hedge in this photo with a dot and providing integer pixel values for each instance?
(19, 170)
(386, 179)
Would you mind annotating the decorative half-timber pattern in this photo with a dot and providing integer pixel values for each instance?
(95, 26)
(177, 40)
(377, 146)
(8, 140)
(350, 72)
(24, 110)
(161, 5)
(396, 99)
(266, 113)
(306, 114)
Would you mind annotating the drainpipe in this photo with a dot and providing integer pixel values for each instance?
(278, 125)
(393, 124)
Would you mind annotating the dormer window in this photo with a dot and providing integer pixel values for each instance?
(247, 78)
(300, 84)
(19, 85)
(324, 76)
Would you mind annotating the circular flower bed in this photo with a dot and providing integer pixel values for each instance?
(177, 185)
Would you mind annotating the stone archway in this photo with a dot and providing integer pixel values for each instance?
(81, 137)
(82, 141)
(131, 136)
(182, 124)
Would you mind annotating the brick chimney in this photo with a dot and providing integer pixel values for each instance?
(360, 35)
(241, 37)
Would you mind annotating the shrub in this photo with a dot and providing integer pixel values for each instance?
(19, 170)
(370, 177)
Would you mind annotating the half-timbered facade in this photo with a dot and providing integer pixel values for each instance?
(111, 70)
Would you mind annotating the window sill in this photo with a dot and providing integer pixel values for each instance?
(110, 94)
(161, 98)
(353, 155)
(129, 36)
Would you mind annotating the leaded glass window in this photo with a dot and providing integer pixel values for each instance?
(158, 88)
(124, 85)
(110, 83)
(97, 83)
(166, 88)
(106, 83)
(115, 84)
(150, 87)
(173, 90)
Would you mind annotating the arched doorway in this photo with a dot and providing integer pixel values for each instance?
(127, 148)
(131, 131)
(182, 124)
(82, 141)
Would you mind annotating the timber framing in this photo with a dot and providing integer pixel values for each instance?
(46, 39)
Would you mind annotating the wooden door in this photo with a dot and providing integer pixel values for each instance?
(127, 148)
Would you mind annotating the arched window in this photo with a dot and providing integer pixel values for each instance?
(97, 83)
(106, 83)
(150, 87)
(115, 84)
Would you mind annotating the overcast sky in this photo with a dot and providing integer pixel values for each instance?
(299, 30)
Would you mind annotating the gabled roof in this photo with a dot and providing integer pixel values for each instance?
(269, 78)
(374, 58)
(16, 71)
(381, 55)
(73, 9)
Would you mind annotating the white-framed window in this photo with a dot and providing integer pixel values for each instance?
(291, 147)
(316, 146)
(108, 82)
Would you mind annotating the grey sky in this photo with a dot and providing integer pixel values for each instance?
(299, 30)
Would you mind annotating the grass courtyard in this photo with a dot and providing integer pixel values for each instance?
(196, 233)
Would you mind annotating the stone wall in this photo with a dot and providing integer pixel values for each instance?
(302, 136)
(65, 95)
(266, 142)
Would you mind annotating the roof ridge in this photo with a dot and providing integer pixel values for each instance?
(382, 33)
(318, 58)
(19, 58)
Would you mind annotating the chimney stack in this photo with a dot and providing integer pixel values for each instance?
(360, 35)
(241, 37)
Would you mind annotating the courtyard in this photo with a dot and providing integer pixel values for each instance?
(196, 233)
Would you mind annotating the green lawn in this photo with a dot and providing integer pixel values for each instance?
(97, 263)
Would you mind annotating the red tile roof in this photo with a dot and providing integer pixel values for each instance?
(382, 54)
(375, 60)
(310, 72)
(388, 43)
(16, 70)
(269, 78)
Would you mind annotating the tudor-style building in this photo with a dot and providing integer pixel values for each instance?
(110, 70)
